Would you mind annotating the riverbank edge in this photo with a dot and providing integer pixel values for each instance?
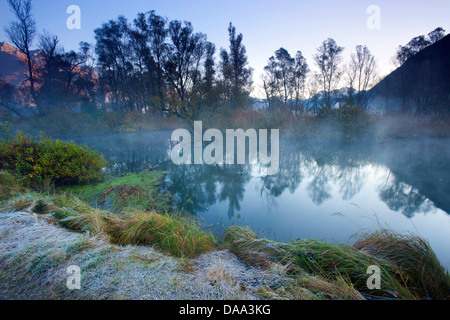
(35, 253)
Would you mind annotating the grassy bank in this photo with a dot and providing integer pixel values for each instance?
(175, 235)
(42, 233)
(138, 191)
(409, 267)
(35, 255)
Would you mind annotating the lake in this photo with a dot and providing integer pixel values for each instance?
(327, 191)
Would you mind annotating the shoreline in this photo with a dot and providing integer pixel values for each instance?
(135, 249)
(35, 253)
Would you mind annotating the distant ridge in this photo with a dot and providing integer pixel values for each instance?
(13, 63)
(421, 84)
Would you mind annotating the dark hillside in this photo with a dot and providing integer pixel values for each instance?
(421, 84)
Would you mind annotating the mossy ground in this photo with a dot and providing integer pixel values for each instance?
(139, 191)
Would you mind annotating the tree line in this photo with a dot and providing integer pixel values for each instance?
(147, 65)
(153, 65)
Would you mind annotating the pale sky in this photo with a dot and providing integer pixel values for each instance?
(266, 25)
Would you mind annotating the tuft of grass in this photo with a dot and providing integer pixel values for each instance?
(173, 234)
(413, 255)
(403, 276)
(76, 215)
(178, 236)
(310, 287)
(79, 246)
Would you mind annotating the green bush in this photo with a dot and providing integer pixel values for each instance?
(46, 161)
(9, 185)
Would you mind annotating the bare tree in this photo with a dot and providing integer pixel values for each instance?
(301, 70)
(21, 33)
(284, 80)
(312, 88)
(50, 51)
(236, 74)
(328, 59)
(361, 75)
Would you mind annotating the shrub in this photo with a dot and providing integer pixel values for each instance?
(49, 161)
(9, 185)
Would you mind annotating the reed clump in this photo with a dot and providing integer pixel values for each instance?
(413, 255)
(176, 235)
(401, 274)
(312, 287)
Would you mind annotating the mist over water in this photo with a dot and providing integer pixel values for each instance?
(327, 191)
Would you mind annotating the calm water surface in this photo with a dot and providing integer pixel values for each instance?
(323, 191)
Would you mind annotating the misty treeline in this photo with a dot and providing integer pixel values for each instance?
(164, 68)
(148, 65)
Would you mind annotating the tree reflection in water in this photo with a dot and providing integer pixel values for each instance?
(320, 166)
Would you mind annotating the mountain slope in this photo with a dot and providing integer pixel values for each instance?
(13, 66)
(421, 84)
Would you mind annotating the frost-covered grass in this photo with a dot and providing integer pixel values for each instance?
(35, 255)
(10, 186)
